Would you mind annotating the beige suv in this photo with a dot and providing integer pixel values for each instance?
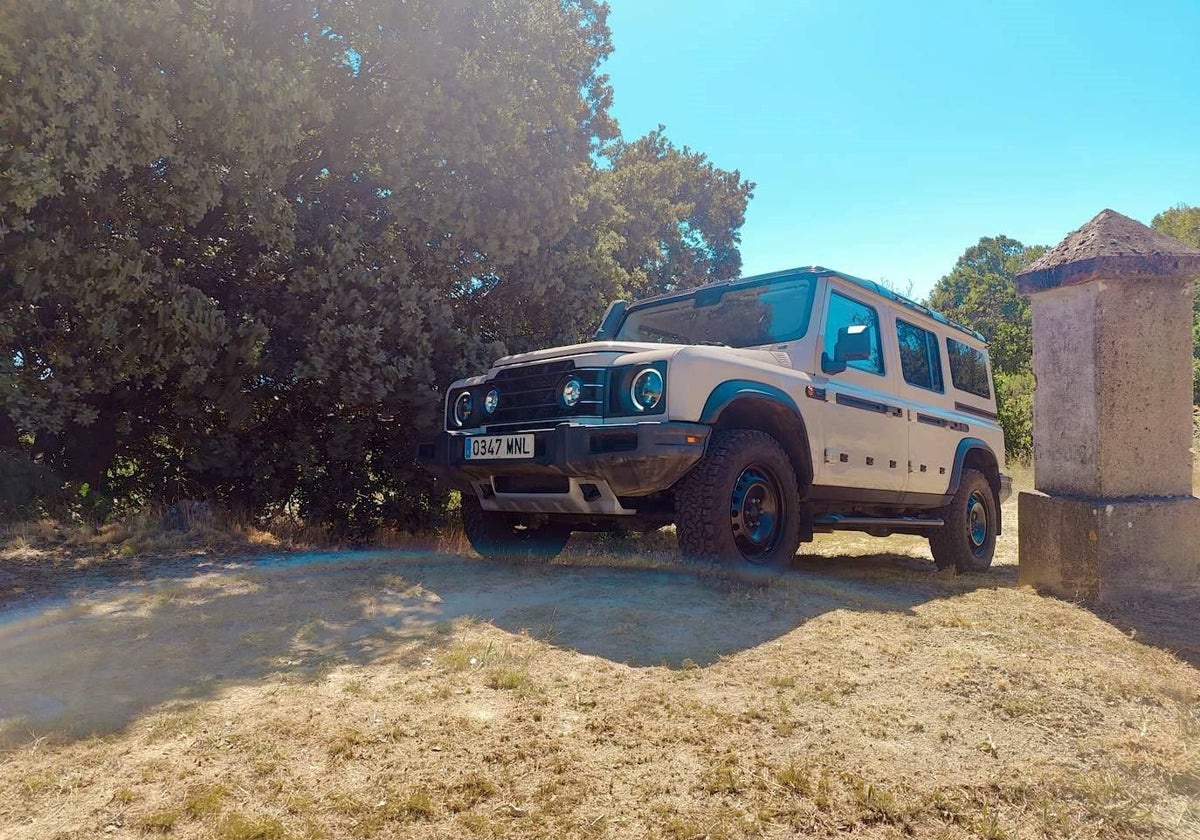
(750, 414)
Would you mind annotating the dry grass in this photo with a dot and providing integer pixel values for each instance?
(416, 695)
(43, 557)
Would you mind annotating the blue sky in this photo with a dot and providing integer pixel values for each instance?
(887, 137)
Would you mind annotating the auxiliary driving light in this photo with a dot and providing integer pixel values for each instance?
(571, 391)
(492, 401)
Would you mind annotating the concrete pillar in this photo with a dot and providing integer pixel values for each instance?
(1113, 517)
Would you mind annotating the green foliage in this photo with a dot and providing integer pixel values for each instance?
(1183, 222)
(654, 218)
(23, 486)
(981, 292)
(242, 246)
(1014, 403)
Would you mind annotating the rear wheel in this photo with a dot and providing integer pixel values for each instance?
(496, 535)
(967, 541)
(740, 505)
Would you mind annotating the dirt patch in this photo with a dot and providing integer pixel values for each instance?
(418, 695)
(90, 664)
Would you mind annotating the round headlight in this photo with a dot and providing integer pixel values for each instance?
(570, 391)
(646, 390)
(492, 401)
(464, 407)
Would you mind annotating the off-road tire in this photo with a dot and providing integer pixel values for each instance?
(496, 536)
(958, 544)
(709, 512)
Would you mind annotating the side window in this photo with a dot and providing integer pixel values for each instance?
(920, 361)
(968, 369)
(845, 312)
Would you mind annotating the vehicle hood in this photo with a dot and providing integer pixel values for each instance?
(615, 348)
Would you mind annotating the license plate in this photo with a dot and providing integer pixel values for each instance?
(499, 446)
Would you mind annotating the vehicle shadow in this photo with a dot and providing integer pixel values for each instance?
(92, 662)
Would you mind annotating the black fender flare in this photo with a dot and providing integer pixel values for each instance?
(965, 447)
(732, 390)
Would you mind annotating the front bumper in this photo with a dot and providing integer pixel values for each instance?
(634, 459)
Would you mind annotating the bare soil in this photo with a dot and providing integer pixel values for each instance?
(612, 694)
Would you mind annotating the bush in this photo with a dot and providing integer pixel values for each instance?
(1014, 401)
(244, 246)
(24, 486)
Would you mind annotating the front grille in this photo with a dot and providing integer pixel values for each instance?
(529, 394)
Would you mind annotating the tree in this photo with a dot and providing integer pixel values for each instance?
(1183, 222)
(654, 218)
(243, 246)
(981, 292)
(1180, 221)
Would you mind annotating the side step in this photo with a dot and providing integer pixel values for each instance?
(837, 522)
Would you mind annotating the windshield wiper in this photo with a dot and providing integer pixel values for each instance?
(675, 337)
(681, 339)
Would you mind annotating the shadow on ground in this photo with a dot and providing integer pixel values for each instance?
(1172, 625)
(92, 661)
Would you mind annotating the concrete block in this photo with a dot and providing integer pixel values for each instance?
(1057, 542)
(1143, 350)
(1112, 413)
(1066, 410)
(1112, 347)
(1109, 551)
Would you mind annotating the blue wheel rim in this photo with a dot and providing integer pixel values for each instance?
(756, 512)
(977, 521)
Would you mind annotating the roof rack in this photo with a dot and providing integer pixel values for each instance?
(819, 271)
(879, 289)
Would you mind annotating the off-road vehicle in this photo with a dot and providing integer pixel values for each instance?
(750, 414)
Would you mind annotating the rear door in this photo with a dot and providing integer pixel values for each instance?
(934, 427)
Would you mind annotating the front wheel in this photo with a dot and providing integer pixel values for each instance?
(968, 539)
(496, 535)
(740, 506)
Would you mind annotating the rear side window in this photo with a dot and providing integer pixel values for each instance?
(968, 369)
(920, 361)
(845, 312)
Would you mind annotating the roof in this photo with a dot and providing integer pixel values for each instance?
(815, 271)
(1110, 246)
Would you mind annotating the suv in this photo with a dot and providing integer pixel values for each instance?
(751, 414)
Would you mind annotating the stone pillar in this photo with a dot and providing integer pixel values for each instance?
(1113, 517)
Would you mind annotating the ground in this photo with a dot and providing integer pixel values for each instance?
(423, 694)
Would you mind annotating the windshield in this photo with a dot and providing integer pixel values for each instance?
(741, 318)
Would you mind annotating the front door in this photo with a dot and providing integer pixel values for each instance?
(865, 433)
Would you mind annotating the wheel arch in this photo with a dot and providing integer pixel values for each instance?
(973, 453)
(743, 404)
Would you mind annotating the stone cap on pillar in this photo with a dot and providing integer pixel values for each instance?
(1110, 247)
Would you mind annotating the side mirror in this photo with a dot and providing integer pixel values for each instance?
(853, 344)
(611, 320)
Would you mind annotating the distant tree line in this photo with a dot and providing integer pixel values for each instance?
(243, 245)
(981, 292)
